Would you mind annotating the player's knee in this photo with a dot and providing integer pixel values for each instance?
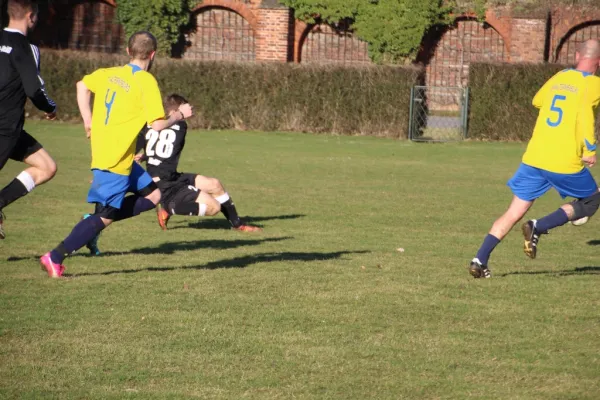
(47, 171)
(586, 207)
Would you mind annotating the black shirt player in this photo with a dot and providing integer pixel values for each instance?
(20, 79)
(183, 193)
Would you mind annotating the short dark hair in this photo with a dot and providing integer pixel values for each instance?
(141, 45)
(173, 101)
(18, 9)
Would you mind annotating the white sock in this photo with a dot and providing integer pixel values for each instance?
(202, 210)
(26, 180)
(223, 198)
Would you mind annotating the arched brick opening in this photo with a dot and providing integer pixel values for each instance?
(448, 51)
(568, 44)
(233, 5)
(325, 43)
(222, 34)
(87, 25)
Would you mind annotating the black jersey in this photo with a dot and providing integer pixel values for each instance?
(163, 149)
(19, 78)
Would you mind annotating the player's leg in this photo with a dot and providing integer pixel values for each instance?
(42, 169)
(188, 200)
(527, 184)
(214, 187)
(580, 186)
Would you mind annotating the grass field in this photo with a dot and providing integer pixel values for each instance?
(321, 305)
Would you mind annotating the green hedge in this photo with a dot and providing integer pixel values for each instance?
(370, 100)
(501, 96)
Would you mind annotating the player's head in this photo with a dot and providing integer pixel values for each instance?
(142, 46)
(588, 56)
(23, 10)
(173, 102)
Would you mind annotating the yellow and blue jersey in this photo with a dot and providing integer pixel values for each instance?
(126, 99)
(564, 131)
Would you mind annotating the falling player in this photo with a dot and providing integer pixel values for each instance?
(126, 98)
(183, 193)
(20, 79)
(563, 143)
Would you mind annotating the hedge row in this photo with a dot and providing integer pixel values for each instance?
(501, 96)
(272, 97)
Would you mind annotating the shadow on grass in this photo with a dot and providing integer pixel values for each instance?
(237, 262)
(568, 272)
(594, 242)
(222, 223)
(173, 247)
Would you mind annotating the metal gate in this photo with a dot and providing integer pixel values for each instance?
(438, 114)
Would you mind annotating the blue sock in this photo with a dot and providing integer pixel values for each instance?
(551, 221)
(489, 244)
(82, 233)
(134, 205)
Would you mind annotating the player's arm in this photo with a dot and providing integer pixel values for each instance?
(84, 97)
(24, 61)
(586, 124)
(153, 106)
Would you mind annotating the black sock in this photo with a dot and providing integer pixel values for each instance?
(82, 233)
(11, 192)
(191, 208)
(134, 205)
(229, 211)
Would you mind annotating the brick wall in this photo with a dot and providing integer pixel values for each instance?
(264, 30)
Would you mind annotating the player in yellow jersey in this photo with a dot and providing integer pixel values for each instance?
(563, 143)
(126, 99)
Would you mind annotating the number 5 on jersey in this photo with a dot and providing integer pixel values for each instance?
(556, 109)
(160, 144)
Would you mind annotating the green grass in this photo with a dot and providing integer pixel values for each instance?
(321, 304)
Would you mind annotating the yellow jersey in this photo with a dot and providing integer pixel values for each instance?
(126, 99)
(564, 131)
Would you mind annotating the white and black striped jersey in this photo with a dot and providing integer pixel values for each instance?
(162, 150)
(19, 78)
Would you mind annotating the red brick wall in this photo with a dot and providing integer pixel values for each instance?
(264, 30)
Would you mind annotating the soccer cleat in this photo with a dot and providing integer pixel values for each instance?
(163, 216)
(2, 218)
(247, 228)
(54, 270)
(92, 245)
(532, 237)
(478, 270)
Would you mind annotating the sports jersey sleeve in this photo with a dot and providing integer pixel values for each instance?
(542, 94)
(93, 80)
(25, 59)
(586, 119)
(152, 100)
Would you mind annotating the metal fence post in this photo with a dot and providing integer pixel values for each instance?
(466, 113)
(410, 113)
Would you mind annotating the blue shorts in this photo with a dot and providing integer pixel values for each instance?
(109, 189)
(530, 183)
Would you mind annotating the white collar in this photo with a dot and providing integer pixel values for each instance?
(14, 30)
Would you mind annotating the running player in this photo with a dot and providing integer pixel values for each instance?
(126, 98)
(19, 79)
(563, 143)
(183, 193)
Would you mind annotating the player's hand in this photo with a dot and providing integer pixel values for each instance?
(88, 128)
(51, 116)
(186, 110)
(590, 161)
(138, 157)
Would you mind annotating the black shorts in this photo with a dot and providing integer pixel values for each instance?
(17, 147)
(180, 191)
